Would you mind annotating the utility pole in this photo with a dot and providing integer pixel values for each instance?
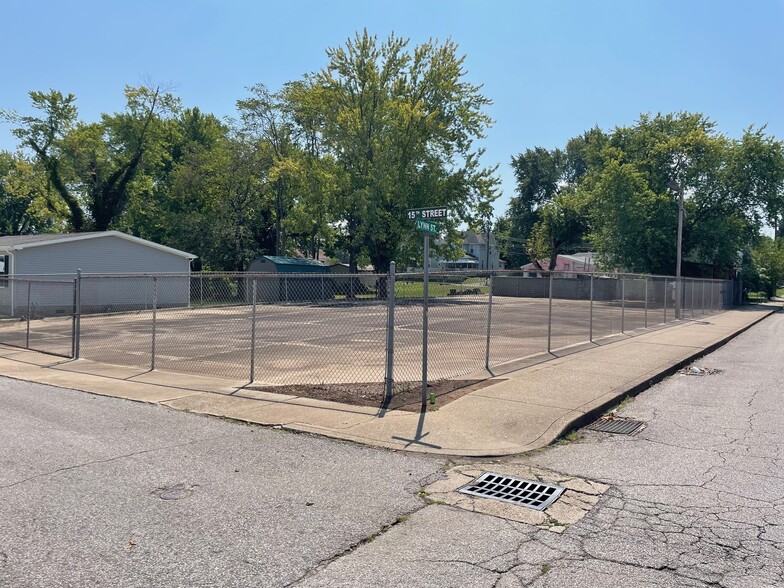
(673, 185)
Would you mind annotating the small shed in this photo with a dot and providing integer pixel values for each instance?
(57, 257)
(289, 279)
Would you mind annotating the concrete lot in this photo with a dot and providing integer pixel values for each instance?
(336, 342)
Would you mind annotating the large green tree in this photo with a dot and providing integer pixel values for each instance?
(627, 182)
(26, 203)
(399, 125)
(540, 175)
(91, 166)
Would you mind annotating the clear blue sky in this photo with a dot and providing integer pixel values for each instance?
(553, 69)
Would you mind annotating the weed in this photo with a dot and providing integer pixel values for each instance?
(570, 437)
(545, 569)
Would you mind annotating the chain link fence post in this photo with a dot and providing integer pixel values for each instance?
(154, 319)
(78, 316)
(253, 332)
(489, 322)
(623, 304)
(590, 313)
(27, 332)
(646, 302)
(550, 312)
(389, 380)
(73, 322)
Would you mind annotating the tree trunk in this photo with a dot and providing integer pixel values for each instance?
(554, 258)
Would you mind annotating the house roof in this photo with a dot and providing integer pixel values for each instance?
(20, 242)
(364, 268)
(581, 257)
(471, 238)
(468, 259)
(278, 260)
(585, 259)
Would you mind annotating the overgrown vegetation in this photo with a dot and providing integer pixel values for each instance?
(328, 163)
(616, 193)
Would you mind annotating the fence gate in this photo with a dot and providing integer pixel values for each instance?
(39, 314)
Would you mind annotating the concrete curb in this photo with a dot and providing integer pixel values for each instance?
(590, 416)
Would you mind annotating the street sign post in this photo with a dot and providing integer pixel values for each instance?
(426, 222)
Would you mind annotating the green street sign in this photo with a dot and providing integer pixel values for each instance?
(426, 226)
(431, 213)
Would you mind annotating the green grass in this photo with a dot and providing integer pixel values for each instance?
(780, 292)
(435, 289)
(757, 296)
(570, 437)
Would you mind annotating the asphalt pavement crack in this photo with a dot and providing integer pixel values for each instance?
(100, 461)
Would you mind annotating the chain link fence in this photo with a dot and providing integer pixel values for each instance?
(369, 332)
(39, 313)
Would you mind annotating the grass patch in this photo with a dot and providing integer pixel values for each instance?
(545, 569)
(757, 296)
(570, 437)
(436, 289)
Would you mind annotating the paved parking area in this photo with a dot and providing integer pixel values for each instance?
(337, 342)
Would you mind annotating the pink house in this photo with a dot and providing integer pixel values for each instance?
(576, 262)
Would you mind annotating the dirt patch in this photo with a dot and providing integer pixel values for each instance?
(407, 395)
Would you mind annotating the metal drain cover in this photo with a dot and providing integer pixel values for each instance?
(617, 426)
(521, 492)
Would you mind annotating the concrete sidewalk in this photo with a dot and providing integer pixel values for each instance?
(520, 411)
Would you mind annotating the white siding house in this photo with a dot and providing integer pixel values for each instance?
(57, 257)
(475, 256)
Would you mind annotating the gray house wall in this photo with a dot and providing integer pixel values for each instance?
(109, 255)
(99, 255)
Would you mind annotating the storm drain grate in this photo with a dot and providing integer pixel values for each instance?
(617, 426)
(526, 493)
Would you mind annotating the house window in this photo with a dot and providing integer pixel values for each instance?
(4, 270)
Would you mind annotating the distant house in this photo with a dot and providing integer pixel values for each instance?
(477, 254)
(575, 262)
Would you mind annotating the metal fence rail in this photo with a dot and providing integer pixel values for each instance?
(287, 331)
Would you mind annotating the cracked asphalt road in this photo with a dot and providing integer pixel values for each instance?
(696, 499)
(81, 479)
